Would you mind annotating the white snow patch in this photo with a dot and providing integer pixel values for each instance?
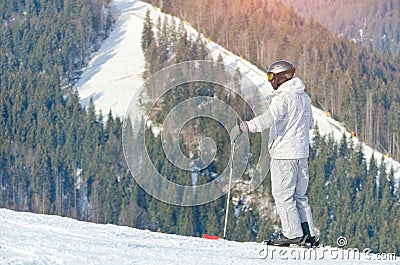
(115, 72)
(27, 238)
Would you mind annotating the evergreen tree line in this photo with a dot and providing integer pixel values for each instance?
(165, 43)
(349, 196)
(369, 23)
(57, 157)
(169, 44)
(356, 85)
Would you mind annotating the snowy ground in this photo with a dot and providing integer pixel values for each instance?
(27, 238)
(114, 73)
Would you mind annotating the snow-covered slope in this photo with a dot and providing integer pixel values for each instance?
(114, 74)
(27, 238)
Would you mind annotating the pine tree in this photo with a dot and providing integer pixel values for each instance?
(147, 33)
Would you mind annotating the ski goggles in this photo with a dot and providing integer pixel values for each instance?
(288, 74)
(270, 76)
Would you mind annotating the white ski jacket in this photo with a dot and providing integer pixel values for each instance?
(289, 118)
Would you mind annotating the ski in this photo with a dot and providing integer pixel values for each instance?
(301, 245)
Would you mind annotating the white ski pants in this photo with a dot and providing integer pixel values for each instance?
(289, 178)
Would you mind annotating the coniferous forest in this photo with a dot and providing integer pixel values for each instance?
(57, 157)
(357, 86)
(343, 187)
(369, 23)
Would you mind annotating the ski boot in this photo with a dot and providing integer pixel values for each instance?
(282, 241)
(311, 241)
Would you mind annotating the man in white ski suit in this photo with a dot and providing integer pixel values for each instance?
(289, 118)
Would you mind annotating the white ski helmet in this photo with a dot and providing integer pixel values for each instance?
(279, 72)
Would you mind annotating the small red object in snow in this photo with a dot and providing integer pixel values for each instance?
(210, 237)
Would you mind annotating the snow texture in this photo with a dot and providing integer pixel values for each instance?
(27, 238)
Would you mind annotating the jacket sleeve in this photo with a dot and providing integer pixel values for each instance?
(275, 112)
(311, 121)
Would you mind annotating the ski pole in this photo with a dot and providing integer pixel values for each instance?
(229, 185)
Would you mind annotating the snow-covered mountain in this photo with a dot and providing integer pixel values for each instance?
(27, 238)
(115, 72)
(111, 79)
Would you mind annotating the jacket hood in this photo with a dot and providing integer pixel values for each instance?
(293, 85)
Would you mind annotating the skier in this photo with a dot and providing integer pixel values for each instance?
(289, 118)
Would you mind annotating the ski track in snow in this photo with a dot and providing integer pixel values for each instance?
(27, 238)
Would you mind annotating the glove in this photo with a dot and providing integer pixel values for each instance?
(238, 130)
